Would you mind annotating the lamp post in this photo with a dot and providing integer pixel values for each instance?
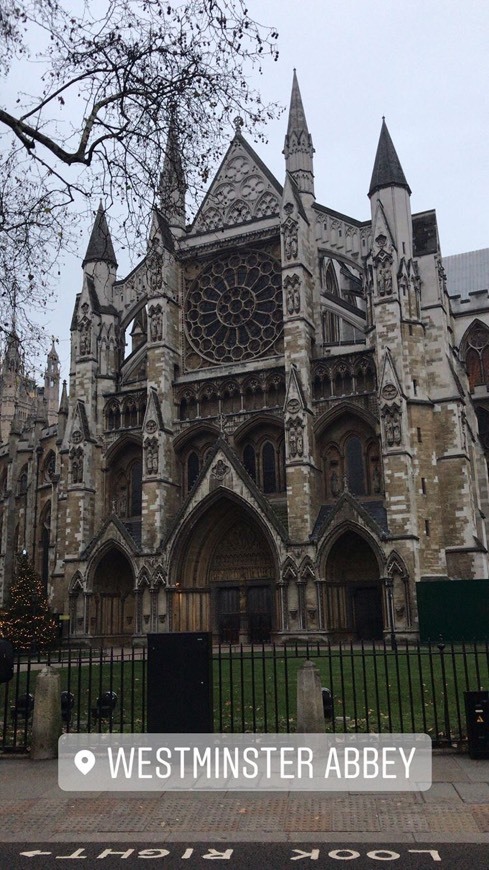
(389, 585)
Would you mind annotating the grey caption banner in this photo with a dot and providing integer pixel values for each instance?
(245, 762)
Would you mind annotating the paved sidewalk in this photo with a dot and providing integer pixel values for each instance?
(455, 809)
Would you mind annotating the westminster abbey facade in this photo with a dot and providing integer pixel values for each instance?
(276, 425)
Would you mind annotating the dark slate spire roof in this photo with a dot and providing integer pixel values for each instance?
(387, 167)
(100, 248)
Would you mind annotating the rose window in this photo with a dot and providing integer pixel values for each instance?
(233, 310)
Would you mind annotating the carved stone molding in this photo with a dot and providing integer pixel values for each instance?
(220, 469)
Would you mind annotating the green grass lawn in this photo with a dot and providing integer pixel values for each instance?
(417, 690)
(382, 692)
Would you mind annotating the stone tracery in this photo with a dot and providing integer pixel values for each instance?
(233, 310)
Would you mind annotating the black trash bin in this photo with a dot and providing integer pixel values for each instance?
(477, 714)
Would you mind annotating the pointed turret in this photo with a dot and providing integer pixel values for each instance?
(298, 148)
(100, 248)
(390, 197)
(51, 384)
(172, 182)
(63, 405)
(12, 361)
(63, 411)
(387, 170)
(100, 264)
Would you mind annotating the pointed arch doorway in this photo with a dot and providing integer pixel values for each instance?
(112, 613)
(225, 579)
(354, 596)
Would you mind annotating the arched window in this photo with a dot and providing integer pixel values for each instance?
(355, 465)
(477, 355)
(331, 281)
(113, 417)
(249, 460)
(193, 468)
(49, 469)
(473, 364)
(333, 472)
(269, 470)
(136, 488)
(483, 421)
(22, 483)
(124, 493)
(331, 328)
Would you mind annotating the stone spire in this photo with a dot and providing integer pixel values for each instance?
(63, 411)
(51, 383)
(100, 248)
(298, 148)
(172, 181)
(387, 170)
(12, 361)
(63, 405)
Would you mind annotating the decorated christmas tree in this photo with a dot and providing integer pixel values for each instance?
(27, 621)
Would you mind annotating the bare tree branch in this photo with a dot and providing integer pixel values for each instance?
(109, 78)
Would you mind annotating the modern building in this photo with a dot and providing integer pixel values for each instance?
(277, 424)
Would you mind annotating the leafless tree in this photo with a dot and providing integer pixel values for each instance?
(110, 81)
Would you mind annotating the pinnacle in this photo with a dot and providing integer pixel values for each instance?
(100, 248)
(297, 116)
(387, 171)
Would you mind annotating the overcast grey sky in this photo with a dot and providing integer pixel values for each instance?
(424, 64)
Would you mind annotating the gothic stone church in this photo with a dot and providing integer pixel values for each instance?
(276, 425)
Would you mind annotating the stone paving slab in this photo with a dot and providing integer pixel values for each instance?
(448, 769)
(481, 815)
(473, 792)
(228, 815)
(32, 807)
(440, 792)
(476, 770)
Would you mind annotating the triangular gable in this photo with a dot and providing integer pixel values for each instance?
(243, 190)
(292, 192)
(153, 418)
(390, 385)
(78, 429)
(380, 230)
(347, 508)
(294, 397)
(223, 469)
(113, 530)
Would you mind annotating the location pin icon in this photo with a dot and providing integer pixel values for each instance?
(84, 761)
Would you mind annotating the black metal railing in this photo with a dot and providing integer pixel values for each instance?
(371, 688)
(100, 690)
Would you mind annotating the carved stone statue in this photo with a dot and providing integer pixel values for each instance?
(292, 293)
(334, 483)
(151, 448)
(156, 323)
(84, 328)
(392, 424)
(290, 234)
(296, 437)
(76, 457)
(384, 280)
